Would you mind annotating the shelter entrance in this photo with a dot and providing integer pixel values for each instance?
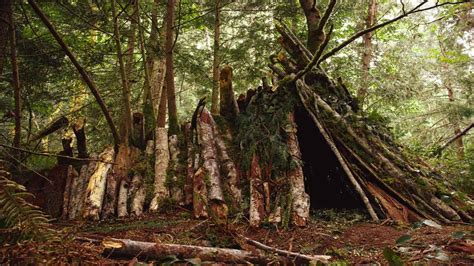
(325, 180)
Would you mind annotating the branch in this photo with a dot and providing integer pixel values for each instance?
(363, 32)
(79, 68)
(315, 60)
(455, 137)
(308, 258)
(327, 13)
(55, 155)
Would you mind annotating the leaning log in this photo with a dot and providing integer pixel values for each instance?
(153, 251)
(68, 189)
(77, 190)
(229, 170)
(257, 210)
(300, 200)
(96, 187)
(161, 165)
(211, 165)
(228, 105)
(137, 194)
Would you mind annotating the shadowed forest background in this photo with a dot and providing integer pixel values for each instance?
(268, 114)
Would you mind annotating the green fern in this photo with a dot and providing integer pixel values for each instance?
(18, 217)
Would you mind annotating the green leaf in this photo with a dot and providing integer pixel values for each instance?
(403, 239)
(391, 257)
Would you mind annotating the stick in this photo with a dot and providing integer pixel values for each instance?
(308, 258)
(54, 155)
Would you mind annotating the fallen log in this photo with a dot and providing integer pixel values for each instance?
(132, 249)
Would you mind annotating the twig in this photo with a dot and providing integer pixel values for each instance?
(309, 258)
(363, 32)
(55, 155)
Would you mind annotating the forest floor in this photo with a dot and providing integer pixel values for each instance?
(346, 236)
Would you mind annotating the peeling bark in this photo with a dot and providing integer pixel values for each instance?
(199, 194)
(133, 249)
(77, 190)
(176, 190)
(96, 186)
(228, 105)
(211, 165)
(257, 210)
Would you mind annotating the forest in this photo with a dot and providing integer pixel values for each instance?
(182, 132)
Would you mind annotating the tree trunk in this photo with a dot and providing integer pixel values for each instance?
(96, 186)
(215, 63)
(176, 189)
(455, 124)
(15, 79)
(161, 165)
(228, 105)
(132, 249)
(126, 125)
(367, 55)
(199, 192)
(188, 184)
(257, 210)
(79, 68)
(215, 194)
(5, 14)
(313, 16)
(77, 193)
(137, 194)
(169, 43)
(300, 200)
(228, 168)
(68, 189)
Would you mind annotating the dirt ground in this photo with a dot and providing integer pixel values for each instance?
(347, 237)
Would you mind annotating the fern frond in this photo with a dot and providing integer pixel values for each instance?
(17, 214)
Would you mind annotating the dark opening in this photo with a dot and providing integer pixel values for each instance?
(325, 181)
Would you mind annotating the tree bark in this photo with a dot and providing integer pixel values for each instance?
(300, 203)
(126, 121)
(217, 204)
(228, 105)
(257, 210)
(177, 189)
(215, 63)
(130, 248)
(367, 55)
(137, 194)
(5, 14)
(79, 130)
(15, 79)
(96, 186)
(79, 68)
(77, 193)
(188, 185)
(199, 192)
(169, 46)
(162, 156)
(68, 189)
(313, 16)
